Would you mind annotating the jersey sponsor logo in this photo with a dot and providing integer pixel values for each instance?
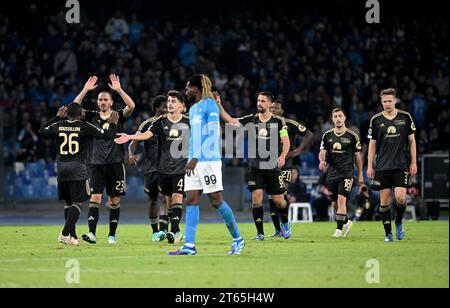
(173, 133)
(263, 133)
(392, 132)
(105, 126)
(337, 146)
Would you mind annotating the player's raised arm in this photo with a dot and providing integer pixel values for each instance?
(223, 114)
(116, 86)
(49, 128)
(90, 85)
(123, 138)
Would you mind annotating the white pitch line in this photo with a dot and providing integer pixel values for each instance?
(111, 257)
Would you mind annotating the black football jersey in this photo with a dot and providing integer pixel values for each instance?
(391, 135)
(173, 139)
(265, 132)
(73, 143)
(151, 148)
(105, 151)
(294, 129)
(341, 149)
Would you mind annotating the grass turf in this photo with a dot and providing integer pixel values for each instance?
(31, 257)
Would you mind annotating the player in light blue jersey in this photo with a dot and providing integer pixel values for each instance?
(204, 169)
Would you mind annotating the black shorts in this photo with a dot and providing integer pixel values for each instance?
(390, 179)
(171, 184)
(270, 181)
(111, 177)
(151, 184)
(342, 186)
(287, 176)
(74, 191)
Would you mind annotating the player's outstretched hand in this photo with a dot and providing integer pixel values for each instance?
(62, 112)
(114, 118)
(115, 83)
(91, 84)
(123, 138)
(323, 166)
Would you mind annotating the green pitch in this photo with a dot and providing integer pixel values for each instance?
(31, 257)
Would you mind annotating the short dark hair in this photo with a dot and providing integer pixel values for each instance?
(268, 95)
(279, 101)
(106, 91)
(158, 101)
(390, 91)
(177, 94)
(335, 110)
(74, 110)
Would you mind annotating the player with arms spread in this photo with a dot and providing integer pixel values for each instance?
(265, 176)
(170, 130)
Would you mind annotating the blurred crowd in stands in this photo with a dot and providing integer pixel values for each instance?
(314, 64)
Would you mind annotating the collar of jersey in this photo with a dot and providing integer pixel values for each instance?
(181, 117)
(259, 116)
(339, 135)
(390, 118)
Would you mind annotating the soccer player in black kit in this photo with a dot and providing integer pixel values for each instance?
(171, 129)
(340, 146)
(262, 177)
(392, 140)
(106, 158)
(159, 106)
(295, 129)
(73, 140)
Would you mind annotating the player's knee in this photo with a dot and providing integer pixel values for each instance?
(96, 199)
(113, 200)
(216, 200)
(280, 202)
(401, 200)
(192, 199)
